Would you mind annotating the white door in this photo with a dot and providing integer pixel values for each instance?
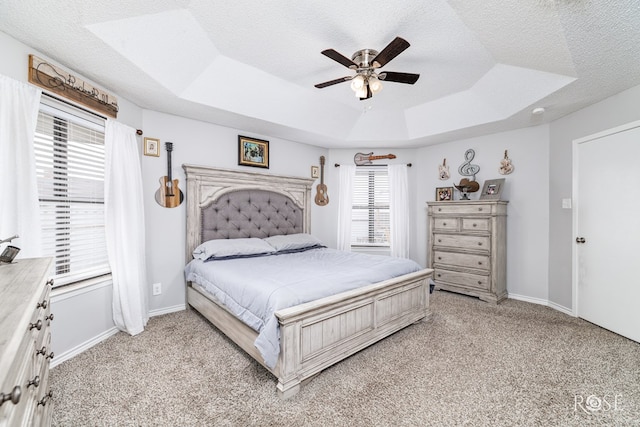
(607, 217)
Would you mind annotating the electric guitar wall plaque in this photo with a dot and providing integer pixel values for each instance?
(169, 195)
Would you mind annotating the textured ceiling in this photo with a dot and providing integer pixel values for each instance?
(483, 64)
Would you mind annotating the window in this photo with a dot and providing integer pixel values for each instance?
(370, 212)
(69, 149)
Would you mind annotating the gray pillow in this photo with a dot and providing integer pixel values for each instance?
(225, 248)
(288, 242)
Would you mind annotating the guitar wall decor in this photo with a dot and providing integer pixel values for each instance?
(362, 159)
(322, 199)
(169, 195)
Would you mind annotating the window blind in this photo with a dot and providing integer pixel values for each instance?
(69, 150)
(370, 207)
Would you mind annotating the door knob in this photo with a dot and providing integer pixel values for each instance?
(580, 240)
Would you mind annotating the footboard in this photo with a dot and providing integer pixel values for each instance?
(316, 335)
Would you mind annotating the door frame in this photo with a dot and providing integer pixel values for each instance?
(576, 203)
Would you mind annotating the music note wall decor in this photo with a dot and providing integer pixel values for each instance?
(467, 169)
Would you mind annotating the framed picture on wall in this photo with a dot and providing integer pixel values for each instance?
(444, 194)
(253, 152)
(151, 147)
(492, 189)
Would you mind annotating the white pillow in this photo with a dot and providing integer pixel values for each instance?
(226, 248)
(286, 242)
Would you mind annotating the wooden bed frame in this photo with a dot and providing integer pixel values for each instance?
(314, 335)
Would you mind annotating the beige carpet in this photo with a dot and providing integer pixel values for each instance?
(515, 364)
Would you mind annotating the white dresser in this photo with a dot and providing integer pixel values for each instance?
(25, 349)
(468, 247)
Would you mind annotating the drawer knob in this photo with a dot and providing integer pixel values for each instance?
(37, 325)
(479, 243)
(475, 225)
(50, 356)
(439, 275)
(479, 262)
(34, 382)
(42, 304)
(439, 240)
(50, 282)
(479, 282)
(444, 224)
(439, 258)
(45, 398)
(439, 209)
(480, 209)
(49, 317)
(42, 351)
(14, 396)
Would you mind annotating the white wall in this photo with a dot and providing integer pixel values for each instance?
(609, 113)
(81, 316)
(200, 143)
(526, 189)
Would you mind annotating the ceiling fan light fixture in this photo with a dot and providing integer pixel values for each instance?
(361, 92)
(357, 83)
(374, 84)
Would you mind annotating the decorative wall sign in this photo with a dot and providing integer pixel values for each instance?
(253, 152)
(506, 167)
(67, 85)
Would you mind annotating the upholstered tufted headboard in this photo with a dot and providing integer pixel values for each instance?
(250, 213)
(229, 204)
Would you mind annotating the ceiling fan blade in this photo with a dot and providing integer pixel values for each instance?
(338, 57)
(390, 76)
(333, 82)
(393, 49)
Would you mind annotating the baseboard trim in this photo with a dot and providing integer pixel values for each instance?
(60, 358)
(167, 310)
(541, 301)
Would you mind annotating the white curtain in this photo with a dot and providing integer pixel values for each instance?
(124, 225)
(345, 197)
(399, 210)
(20, 208)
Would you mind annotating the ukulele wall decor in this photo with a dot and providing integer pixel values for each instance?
(169, 195)
(322, 199)
(362, 159)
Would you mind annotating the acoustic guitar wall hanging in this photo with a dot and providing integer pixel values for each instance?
(169, 195)
(322, 199)
(362, 159)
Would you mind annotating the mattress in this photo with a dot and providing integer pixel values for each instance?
(254, 288)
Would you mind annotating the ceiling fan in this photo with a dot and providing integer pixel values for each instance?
(365, 62)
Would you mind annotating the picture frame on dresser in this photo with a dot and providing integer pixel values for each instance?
(444, 194)
(492, 189)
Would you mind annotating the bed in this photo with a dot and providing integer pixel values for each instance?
(233, 204)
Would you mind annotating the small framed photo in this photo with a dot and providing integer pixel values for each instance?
(253, 152)
(444, 194)
(151, 147)
(315, 172)
(492, 189)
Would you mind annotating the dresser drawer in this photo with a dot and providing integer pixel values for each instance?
(449, 224)
(476, 224)
(462, 209)
(479, 262)
(456, 241)
(476, 281)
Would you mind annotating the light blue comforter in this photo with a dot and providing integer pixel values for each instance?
(255, 288)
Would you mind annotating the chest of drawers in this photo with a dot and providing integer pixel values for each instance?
(468, 247)
(25, 350)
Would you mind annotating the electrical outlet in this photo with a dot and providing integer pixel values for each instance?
(157, 288)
